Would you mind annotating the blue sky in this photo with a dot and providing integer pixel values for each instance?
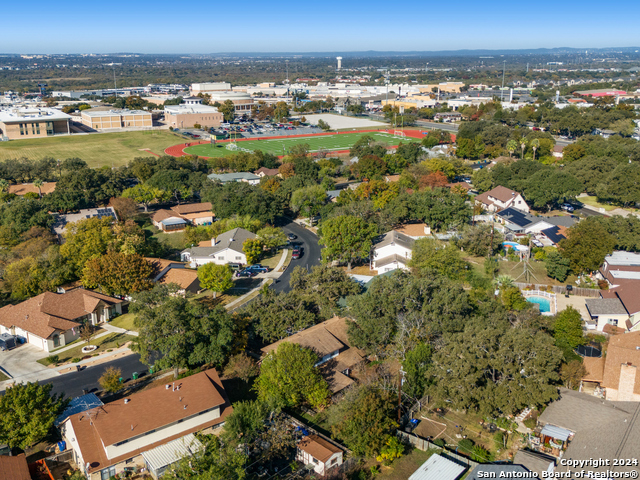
(73, 26)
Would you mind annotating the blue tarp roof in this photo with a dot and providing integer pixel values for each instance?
(79, 404)
(556, 432)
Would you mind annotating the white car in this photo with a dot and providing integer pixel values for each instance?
(567, 207)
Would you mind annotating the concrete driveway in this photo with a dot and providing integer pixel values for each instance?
(21, 364)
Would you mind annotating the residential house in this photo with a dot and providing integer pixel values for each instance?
(518, 221)
(223, 249)
(605, 311)
(594, 428)
(393, 251)
(620, 377)
(78, 405)
(603, 132)
(247, 177)
(414, 230)
(336, 357)
(14, 468)
(51, 320)
(535, 462)
(139, 430)
(315, 451)
(557, 151)
(622, 271)
(438, 467)
(178, 273)
(497, 470)
(392, 178)
(181, 216)
(500, 198)
(267, 172)
(22, 189)
(61, 221)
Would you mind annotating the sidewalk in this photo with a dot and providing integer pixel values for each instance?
(112, 329)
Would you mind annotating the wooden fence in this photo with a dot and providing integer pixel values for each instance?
(425, 445)
(561, 289)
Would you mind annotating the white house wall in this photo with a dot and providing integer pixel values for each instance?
(389, 250)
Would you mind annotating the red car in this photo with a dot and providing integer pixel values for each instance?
(297, 253)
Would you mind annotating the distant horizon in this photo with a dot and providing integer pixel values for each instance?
(161, 26)
(460, 51)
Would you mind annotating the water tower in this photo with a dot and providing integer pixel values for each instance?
(339, 62)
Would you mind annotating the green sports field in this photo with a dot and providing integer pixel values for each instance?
(280, 146)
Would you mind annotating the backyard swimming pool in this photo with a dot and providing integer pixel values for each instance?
(545, 303)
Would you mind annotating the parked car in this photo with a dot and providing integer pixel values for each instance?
(291, 236)
(245, 273)
(567, 207)
(297, 253)
(257, 268)
(235, 266)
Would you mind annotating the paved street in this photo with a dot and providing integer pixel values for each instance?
(310, 257)
(72, 384)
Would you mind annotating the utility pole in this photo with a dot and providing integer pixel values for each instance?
(399, 395)
(504, 64)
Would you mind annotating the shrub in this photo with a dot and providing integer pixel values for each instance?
(530, 423)
(53, 359)
(499, 440)
(479, 454)
(110, 379)
(466, 446)
(439, 442)
(390, 451)
(76, 359)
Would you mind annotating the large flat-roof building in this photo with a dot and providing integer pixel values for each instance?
(17, 123)
(100, 119)
(209, 87)
(186, 116)
(241, 101)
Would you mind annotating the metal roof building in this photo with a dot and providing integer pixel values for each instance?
(162, 457)
(438, 468)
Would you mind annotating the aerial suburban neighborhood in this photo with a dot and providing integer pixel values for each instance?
(318, 257)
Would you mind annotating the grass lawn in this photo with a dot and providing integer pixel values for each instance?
(280, 146)
(404, 466)
(3, 377)
(174, 240)
(99, 149)
(105, 343)
(593, 202)
(273, 260)
(125, 321)
(515, 269)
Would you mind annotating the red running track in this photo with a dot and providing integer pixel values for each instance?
(178, 150)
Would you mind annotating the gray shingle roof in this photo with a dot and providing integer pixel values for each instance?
(232, 239)
(605, 306)
(533, 462)
(397, 238)
(233, 177)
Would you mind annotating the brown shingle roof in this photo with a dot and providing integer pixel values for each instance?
(622, 349)
(501, 193)
(161, 215)
(24, 188)
(148, 410)
(269, 172)
(318, 447)
(594, 367)
(413, 229)
(43, 314)
(14, 468)
(184, 277)
(192, 208)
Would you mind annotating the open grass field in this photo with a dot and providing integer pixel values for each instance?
(280, 146)
(98, 149)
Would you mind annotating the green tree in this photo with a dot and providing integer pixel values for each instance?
(392, 449)
(272, 237)
(116, 273)
(431, 256)
(144, 194)
(346, 238)
(324, 125)
(573, 152)
(364, 419)
(513, 299)
(185, 333)
(246, 422)
(495, 368)
(217, 278)
(110, 380)
(549, 187)
(279, 315)
(27, 413)
(86, 239)
(535, 145)
(228, 110)
(308, 200)
(586, 245)
(288, 378)
(557, 266)
(253, 249)
(281, 111)
(567, 329)
(478, 240)
(512, 145)
(416, 365)
(216, 461)
(241, 366)
(368, 167)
